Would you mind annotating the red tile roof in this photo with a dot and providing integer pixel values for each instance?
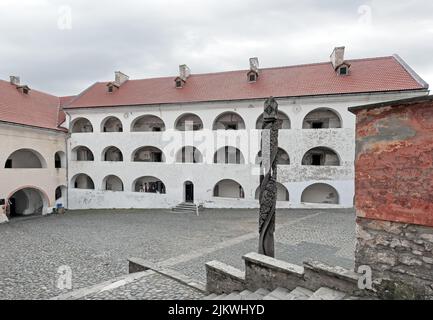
(366, 75)
(35, 109)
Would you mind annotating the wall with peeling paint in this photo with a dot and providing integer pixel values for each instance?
(295, 141)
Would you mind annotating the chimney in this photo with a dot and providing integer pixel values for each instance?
(254, 64)
(120, 78)
(337, 57)
(184, 72)
(14, 80)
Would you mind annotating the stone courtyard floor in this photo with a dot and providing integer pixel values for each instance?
(96, 244)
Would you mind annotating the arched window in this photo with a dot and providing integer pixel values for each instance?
(282, 193)
(321, 118)
(230, 155)
(148, 154)
(320, 193)
(59, 160)
(111, 124)
(81, 125)
(82, 153)
(149, 184)
(283, 121)
(229, 121)
(112, 183)
(25, 159)
(321, 156)
(228, 188)
(189, 122)
(148, 123)
(282, 157)
(189, 154)
(112, 154)
(82, 181)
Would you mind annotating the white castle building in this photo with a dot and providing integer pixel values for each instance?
(155, 143)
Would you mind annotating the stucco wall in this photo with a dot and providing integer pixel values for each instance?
(46, 180)
(295, 141)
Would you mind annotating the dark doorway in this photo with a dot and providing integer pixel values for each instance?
(12, 207)
(189, 191)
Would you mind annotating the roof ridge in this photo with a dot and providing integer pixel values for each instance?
(246, 70)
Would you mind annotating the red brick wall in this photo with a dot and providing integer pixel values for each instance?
(394, 163)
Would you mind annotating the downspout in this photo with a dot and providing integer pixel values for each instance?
(68, 135)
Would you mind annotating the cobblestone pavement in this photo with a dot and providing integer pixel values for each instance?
(97, 243)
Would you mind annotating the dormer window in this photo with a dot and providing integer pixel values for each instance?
(24, 89)
(343, 69)
(178, 83)
(110, 89)
(252, 76)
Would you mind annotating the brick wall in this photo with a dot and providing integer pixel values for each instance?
(394, 195)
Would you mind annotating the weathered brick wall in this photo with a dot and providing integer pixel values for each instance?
(394, 195)
(394, 163)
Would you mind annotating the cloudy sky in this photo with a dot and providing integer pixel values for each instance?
(63, 47)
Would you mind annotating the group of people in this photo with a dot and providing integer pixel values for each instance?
(152, 187)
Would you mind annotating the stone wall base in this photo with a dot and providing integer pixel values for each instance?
(400, 256)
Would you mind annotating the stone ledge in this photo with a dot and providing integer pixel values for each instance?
(138, 265)
(318, 274)
(273, 263)
(334, 271)
(269, 273)
(222, 278)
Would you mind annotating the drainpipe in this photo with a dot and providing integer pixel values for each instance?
(68, 135)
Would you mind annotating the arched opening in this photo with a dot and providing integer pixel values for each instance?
(111, 124)
(229, 121)
(321, 118)
(189, 154)
(112, 154)
(229, 155)
(148, 123)
(188, 188)
(282, 193)
(228, 188)
(27, 201)
(189, 122)
(149, 184)
(283, 121)
(112, 183)
(321, 156)
(82, 181)
(81, 125)
(60, 196)
(320, 193)
(59, 160)
(82, 153)
(148, 154)
(282, 157)
(25, 159)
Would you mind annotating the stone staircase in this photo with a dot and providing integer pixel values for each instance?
(186, 207)
(280, 293)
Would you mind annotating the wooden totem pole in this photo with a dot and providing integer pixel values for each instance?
(268, 177)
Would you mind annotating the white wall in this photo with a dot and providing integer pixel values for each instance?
(295, 141)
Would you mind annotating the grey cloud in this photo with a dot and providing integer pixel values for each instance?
(145, 39)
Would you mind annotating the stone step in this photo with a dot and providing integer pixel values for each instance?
(327, 294)
(210, 297)
(233, 296)
(277, 294)
(299, 293)
(220, 297)
(185, 207)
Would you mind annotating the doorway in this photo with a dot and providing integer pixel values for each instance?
(189, 191)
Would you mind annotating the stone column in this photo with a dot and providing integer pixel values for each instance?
(394, 196)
